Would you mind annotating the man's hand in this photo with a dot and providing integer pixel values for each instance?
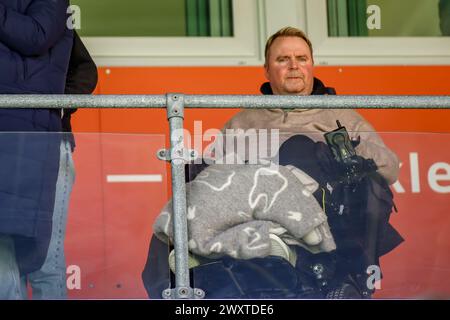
(356, 168)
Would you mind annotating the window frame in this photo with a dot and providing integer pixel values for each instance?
(241, 49)
(367, 50)
(253, 22)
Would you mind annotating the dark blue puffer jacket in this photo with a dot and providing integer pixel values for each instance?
(35, 46)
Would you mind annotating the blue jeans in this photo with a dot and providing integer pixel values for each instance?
(50, 281)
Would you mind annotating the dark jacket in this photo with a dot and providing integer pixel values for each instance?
(318, 88)
(35, 47)
(81, 79)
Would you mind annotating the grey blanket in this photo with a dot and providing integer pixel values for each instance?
(232, 210)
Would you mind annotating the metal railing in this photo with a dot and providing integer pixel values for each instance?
(225, 101)
(175, 104)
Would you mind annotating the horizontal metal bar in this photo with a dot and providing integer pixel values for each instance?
(318, 102)
(227, 101)
(57, 101)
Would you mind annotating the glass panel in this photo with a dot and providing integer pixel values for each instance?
(120, 187)
(388, 18)
(169, 18)
(381, 253)
(256, 230)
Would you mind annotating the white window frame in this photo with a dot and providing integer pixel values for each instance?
(253, 22)
(370, 51)
(241, 49)
(282, 13)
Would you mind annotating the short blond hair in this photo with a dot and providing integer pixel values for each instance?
(286, 32)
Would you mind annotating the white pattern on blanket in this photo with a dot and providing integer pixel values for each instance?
(233, 209)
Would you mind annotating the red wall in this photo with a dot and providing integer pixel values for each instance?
(387, 80)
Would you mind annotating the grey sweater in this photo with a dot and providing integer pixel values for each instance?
(313, 123)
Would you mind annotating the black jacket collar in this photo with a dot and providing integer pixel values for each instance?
(318, 88)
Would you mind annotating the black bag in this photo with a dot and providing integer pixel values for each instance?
(358, 214)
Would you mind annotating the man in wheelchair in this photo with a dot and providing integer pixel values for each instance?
(311, 228)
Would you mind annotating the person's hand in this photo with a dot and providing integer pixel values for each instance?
(357, 168)
(352, 172)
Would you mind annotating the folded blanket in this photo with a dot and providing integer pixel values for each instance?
(233, 209)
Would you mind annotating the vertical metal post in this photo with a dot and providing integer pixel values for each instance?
(175, 115)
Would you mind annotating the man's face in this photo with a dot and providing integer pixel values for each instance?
(289, 67)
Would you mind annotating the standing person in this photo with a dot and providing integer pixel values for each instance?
(49, 282)
(35, 46)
